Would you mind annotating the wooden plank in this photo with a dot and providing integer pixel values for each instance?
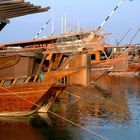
(8, 61)
(12, 14)
(19, 10)
(14, 4)
(31, 9)
(10, 1)
(15, 8)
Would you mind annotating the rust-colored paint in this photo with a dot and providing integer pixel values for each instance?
(82, 77)
(23, 98)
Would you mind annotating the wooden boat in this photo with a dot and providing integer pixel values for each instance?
(31, 72)
(124, 61)
(31, 75)
(31, 83)
(30, 79)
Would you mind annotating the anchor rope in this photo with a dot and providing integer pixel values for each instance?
(84, 128)
(57, 115)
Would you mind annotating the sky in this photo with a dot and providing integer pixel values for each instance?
(89, 14)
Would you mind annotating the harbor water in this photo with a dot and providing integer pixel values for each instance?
(84, 113)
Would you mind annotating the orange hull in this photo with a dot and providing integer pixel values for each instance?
(26, 99)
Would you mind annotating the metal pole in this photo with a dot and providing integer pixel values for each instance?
(124, 37)
(134, 36)
(78, 27)
(65, 23)
(110, 14)
(37, 35)
(52, 19)
(62, 25)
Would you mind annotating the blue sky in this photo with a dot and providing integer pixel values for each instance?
(89, 13)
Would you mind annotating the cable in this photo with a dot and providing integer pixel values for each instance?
(84, 128)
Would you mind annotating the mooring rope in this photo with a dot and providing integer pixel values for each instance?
(93, 122)
(84, 128)
(72, 94)
(57, 115)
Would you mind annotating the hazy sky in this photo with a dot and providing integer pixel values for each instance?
(89, 13)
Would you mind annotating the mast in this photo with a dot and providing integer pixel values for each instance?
(45, 25)
(134, 36)
(118, 43)
(112, 12)
(52, 20)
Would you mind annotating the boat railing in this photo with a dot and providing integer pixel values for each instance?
(18, 80)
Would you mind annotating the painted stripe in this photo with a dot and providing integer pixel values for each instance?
(37, 35)
(116, 8)
(107, 18)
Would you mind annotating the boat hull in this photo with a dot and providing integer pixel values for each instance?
(26, 99)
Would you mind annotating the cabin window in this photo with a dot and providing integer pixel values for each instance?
(93, 57)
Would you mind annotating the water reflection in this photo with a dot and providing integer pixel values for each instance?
(112, 111)
(114, 107)
(37, 127)
(17, 129)
(93, 103)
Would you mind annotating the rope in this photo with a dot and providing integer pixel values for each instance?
(57, 115)
(84, 128)
(23, 92)
(20, 96)
(104, 73)
(72, 94)
(86, 122)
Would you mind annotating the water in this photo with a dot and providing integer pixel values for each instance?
(112, 113)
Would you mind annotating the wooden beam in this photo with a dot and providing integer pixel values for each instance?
(20, 10)
(2, 20)
(10, 1)
(17, 14)
(15, 8)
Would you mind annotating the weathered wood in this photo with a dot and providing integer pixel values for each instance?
(54, 76)
(8, 61)
(58, 59)
(26, 99)
(12, 6)
(10, 9)
(83, 76)
(40, 67)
